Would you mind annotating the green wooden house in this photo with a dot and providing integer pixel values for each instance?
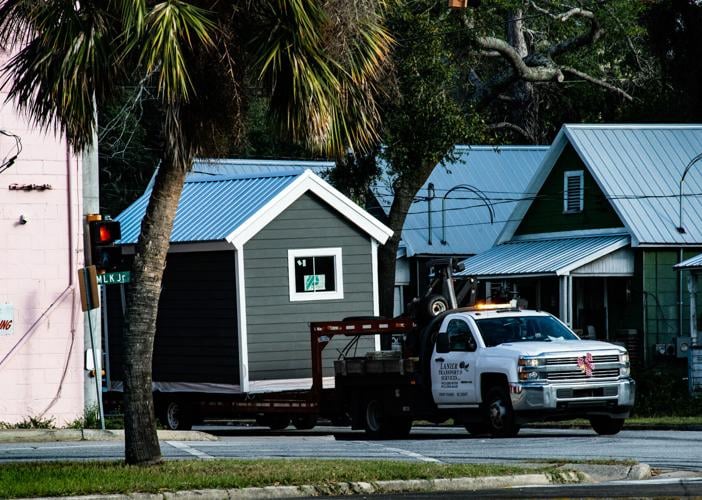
(605, 218)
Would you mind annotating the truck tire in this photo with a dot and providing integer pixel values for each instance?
(304, 422)
(435, 305)
(175, 416)
(606, 426)
(378, 426)
(274, 421)
(500, 415)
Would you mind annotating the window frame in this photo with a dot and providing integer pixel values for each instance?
(581, 195)
(336, 253)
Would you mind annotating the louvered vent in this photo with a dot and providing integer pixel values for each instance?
(573, 192)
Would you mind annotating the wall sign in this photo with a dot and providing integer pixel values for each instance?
(6, 319)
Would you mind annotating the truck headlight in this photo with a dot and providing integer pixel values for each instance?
(624, 358)
(531, 362)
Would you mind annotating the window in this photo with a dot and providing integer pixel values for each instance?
(315, 274)
(573, 192)
(507, 329)
(459, 336)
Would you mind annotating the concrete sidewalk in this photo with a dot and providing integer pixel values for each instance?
(52, 435)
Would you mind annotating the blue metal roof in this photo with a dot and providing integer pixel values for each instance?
(639, 167)
(233, 166)
(211, 207)
(691, 263)
(543, 256)
(493, 179)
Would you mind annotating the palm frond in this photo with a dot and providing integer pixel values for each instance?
(171, 28)
(64, 62)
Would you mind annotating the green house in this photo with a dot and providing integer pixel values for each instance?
(594, 240)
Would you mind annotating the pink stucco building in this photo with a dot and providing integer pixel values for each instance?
(41, 247)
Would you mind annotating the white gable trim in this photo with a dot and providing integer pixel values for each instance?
(242, 325)
(308, 181)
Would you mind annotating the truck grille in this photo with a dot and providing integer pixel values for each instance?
(606, 358)
(579, 374)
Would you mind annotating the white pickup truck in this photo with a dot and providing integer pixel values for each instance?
(491, 370)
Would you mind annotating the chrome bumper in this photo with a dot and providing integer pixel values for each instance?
(530, 396)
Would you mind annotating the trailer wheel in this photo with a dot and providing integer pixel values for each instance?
(304, 422)
(176, 416)
(500, 415)
(274, 421)
(606, 426)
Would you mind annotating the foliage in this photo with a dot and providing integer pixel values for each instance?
(30, 423)
(85, 478)
(662, 390)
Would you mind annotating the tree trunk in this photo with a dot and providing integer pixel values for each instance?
(522, 91)
(141, 440)
(387, 254)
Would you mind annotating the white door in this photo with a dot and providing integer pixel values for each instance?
(453, 365)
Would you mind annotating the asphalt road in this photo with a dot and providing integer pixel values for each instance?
(664, 450)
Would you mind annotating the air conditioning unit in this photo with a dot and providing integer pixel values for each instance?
(665, 350)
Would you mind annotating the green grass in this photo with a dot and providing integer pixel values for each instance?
(76, 478)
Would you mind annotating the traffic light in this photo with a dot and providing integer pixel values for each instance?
(104, 255)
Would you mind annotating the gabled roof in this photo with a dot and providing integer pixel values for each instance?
(638, 168)
(233, 208)
(499, 176)
(542, 256)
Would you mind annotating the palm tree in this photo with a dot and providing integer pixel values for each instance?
(319, 62)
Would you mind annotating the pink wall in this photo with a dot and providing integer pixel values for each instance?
(41, 365)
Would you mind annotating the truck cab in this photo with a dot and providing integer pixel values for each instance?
(515, 366)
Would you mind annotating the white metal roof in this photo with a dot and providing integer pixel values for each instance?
(542, 255)
(691, 263)
(638, 168)
(491, 178)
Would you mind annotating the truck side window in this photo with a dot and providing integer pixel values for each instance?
(460, 337)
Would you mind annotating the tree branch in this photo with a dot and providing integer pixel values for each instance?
(597, 81)
(515, 128)
(523, 71)
(576, 42)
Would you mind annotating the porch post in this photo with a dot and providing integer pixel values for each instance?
(563, 298)
(692, 289)
(569, 301)
(606, 309)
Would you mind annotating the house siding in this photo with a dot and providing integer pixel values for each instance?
(665, 289)
(546, 212)
(278, 329)
(196, 328)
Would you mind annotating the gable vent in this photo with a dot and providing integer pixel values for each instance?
(573, 192)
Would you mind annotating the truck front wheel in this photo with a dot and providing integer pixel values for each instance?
(606, 426)
(500, 415)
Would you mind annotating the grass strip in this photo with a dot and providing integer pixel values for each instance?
(83, 478)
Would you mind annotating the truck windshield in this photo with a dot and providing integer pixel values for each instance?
(496, 331)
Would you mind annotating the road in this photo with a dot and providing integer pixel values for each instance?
(665, 450)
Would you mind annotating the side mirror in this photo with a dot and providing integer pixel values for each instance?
(442, 342)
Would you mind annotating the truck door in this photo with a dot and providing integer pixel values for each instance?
(453, 365)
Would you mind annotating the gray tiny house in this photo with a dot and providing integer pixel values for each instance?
(254, 258)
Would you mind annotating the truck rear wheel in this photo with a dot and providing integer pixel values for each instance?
(304, 422)
(175, 416)
(500, 415)
(274, 421)
(379, 426)
(606, 426)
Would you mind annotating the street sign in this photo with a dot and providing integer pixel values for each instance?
(116, 278)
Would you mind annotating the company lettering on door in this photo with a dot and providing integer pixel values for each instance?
(448, 375)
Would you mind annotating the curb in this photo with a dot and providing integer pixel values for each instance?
(356, 488)
(53, 435)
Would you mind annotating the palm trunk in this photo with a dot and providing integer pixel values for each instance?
(141, 440)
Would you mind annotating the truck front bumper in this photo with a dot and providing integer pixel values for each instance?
(614, 396)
